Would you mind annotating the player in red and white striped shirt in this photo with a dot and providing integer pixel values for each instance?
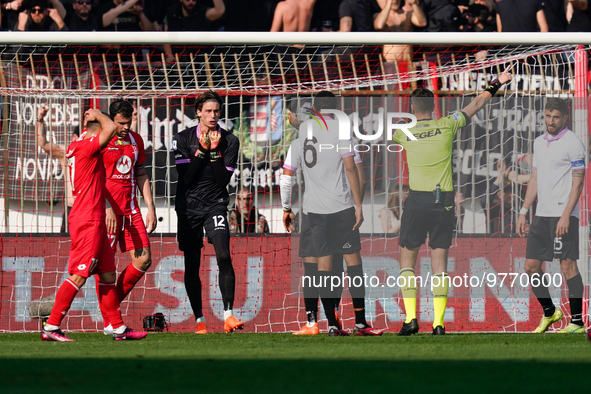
(124, 159)
(90, 252)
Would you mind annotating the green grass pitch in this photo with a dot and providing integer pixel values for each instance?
(282, 363)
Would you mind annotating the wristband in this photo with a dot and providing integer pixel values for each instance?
(215, 154)
(493, 87)
(200, 154)
(523, 211)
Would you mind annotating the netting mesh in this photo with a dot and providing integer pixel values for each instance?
(262, 86)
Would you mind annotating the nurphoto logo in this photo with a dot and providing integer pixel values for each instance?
(347, 129)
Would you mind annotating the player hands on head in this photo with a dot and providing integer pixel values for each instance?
(124, 159)
(206, 157)
(429, 207)
(332, 214)
(90, 252)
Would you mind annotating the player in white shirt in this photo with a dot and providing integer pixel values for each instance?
(332, 203)
(557, 182)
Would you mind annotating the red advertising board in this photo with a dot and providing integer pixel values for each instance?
(488, 292)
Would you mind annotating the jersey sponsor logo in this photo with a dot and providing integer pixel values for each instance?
(173, 144)
(122, 176)
(124, 164)
(112, 148)
(427, 134)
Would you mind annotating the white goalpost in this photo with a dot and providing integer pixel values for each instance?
(264, 78)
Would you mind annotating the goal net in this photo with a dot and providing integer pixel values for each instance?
(264, 86)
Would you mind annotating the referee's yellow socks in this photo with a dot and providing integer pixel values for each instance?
(440, 289)
(409, 293)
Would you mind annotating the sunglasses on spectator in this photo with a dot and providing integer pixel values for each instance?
(37, 10)
(80, 2)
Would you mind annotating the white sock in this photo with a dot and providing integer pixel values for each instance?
(50, 327)
(310, 323)
(119, 330)
(200, 320)
(228, 313)
(109, 327)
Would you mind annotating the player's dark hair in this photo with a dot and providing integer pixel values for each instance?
(325, 100)
(122, 107)
(91, 125)
(423, 100)
(210, 95)
(554, 103)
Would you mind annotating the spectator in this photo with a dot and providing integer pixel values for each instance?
(325, 16)
(394, 16)
(156, 11)
(10, 11)
(119, 15)
(441, 15)
(555, 13)
(293, 15)
(489, 4)
(521, 16)
(80, 16)
(249, 15)
(188, 15)
(580, 16)
(245, 218)
(391, 214)
(357, 15)
(479, 19)
(39, 17)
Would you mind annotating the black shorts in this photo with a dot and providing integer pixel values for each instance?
(190, 228)
(423, 216)
(543, 245)
(333, 233)
(306, 247)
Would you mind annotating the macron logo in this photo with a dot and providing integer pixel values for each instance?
(347, 246)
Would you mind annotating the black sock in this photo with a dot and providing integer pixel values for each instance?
(227, 278)
(543, 295)
(575, 294)
(326, 296)
(357, 290)
(310, 291)
(193, 281)
(337, 270)
(311, 315)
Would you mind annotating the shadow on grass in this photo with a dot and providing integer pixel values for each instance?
(288, 376)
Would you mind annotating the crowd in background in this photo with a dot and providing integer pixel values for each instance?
(297, 15)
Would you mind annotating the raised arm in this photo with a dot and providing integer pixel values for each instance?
(107, 126)
(480, 101)
(54, 150)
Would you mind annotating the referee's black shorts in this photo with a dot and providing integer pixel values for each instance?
(543, 245)
(306, 247)
(422, 217)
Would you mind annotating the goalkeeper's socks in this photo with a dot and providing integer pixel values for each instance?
(127, 280)
(409, 293)
(201, 320)
(543, 295)
(311, 315)
(360, 317)
(63, 300)
(575, 294)
(440, 289)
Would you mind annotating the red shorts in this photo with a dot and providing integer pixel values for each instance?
(90, 252)
(131, 233)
